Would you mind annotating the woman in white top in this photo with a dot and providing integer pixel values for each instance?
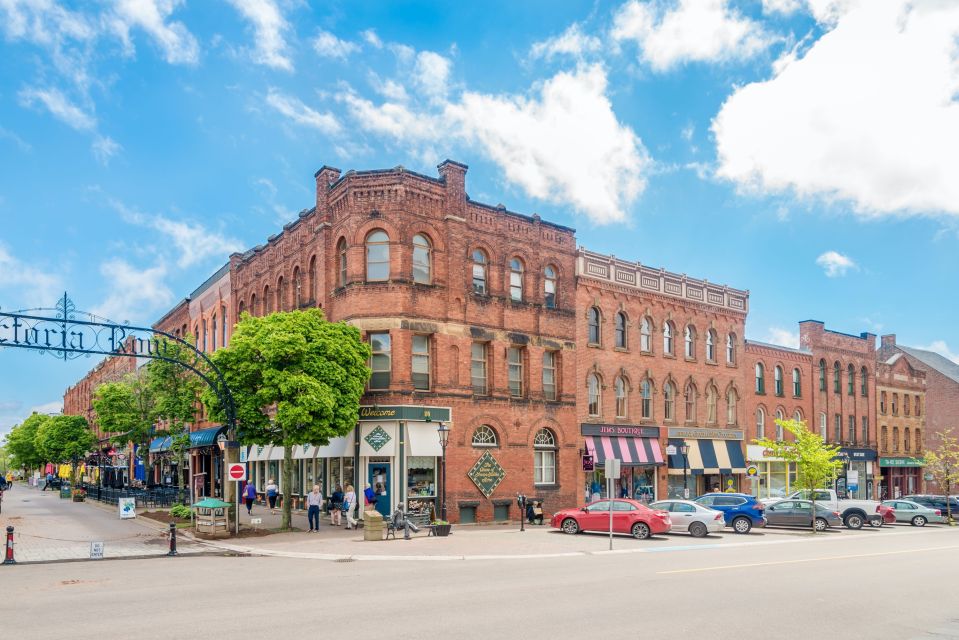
(349, 505)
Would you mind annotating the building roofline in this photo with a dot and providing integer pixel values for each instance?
(778, 347)
(209, 281)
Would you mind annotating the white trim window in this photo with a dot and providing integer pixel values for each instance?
(484, 436)
(516, 280)
(592, 391)
(544, 458)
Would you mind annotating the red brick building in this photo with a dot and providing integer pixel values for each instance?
(900, 407)
(78, 399)
(659, 363)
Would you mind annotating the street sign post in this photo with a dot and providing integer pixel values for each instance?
(612, 471)
(96, 551)
(237, 471)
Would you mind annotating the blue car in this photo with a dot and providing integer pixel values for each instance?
(742, 511)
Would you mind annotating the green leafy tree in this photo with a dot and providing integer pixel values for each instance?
(816, 462)
(943, 463)
(64, 439)
(296, 379)
(126, 409)
(22, 442)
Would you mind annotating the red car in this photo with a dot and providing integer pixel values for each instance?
(888, 515)
(629, 516)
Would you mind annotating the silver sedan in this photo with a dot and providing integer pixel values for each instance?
(914, 513)
(689, 516)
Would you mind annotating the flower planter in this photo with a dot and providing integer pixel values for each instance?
(442, 530)
(78, 497)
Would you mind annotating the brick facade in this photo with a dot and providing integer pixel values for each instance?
(78, 399)
(776, 399)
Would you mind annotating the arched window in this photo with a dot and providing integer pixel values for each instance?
(669, 402)
(797, 416)
(882, 402)
(484, 436)
(779, 428)
(711, 345)
(895, 404)
(240, 308)
(711, 401)
(267, 301)
(646, 335)
(884, 438)
(205, 343)
(544, 457)
(690, 396)
(760, 423)
(895, 439)
(646, 391)
(480, 263)
(906, 440)
(592, 320)
(516, 280)
(905, 404)
(732, 399)
(549, 287)
(836, 377)
(731, 349)
(253, 308)
(224, 325)
(851, 380)
(341, 262)
(864, 382)
(621, 330)
(280, 294)
(668, 337)
(214, 327)
(422, 260)
(689, 337)
(822, 423)
(592, 388)
(918, 436)
(822, 375)
(377, 256)
(918, 407)
(297, 288)
(797, 384)
(760, 378)
(621, 391)
(312, 283)
(778, 380)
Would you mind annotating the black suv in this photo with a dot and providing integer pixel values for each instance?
(937, 502)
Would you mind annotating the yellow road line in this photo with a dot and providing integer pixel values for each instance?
(799, 560)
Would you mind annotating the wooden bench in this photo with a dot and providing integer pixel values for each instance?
(421, 520)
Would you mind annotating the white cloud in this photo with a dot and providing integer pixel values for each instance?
(31, 286)
(177, 44)
(395, 119)
(836, 264)
(782, 337)
(301, 114)
(270, 29)
(940, 347)
(54, 406)
(370, 37)
(866, 116)
(134, 293)
(105, 148)
(59, 106)
(572, 42)
(329, 46)
(782, 7)
(432, 74)
(671, 33)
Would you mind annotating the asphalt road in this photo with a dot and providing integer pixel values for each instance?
(896, 583)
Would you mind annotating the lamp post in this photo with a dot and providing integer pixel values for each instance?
(444, 434)
(684, 449)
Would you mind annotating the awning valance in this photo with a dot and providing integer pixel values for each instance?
(161, 444)
(708, 457)
(304, 452)
(337, 448)
(633, 452)
(205, 437)
(257, 452)
(423, 439)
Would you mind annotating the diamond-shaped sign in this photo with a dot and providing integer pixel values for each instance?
(377, 438)
(486, 474)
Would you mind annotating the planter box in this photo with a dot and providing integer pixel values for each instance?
(78, 498)
(442, 530)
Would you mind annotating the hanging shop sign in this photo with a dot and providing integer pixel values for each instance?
(623, 430)
(487, 474)
(587, 462)
(377, 438)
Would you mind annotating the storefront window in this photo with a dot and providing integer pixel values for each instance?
(421, 477)
(347, 477)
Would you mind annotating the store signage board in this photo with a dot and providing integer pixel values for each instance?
(588, 464)
(127, 508)
(901, 462)
(96, 550)
(376, 413)
(377, 438)
(619, 430)
(243, 454)
(705, 434)
(752, 471)
(236, 471)
(487, 474)
(256, 520)
(670, 450)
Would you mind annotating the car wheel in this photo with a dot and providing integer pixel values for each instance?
(742, 525)
(640, 531)
(821, 524)
(698, 530)
(876, 522)
(919, 521)
(570, 526)
(854, 521)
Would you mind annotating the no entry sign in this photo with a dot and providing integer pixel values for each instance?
(237, 471)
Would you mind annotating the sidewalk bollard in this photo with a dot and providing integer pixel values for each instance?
(172, 551)
(8, 559)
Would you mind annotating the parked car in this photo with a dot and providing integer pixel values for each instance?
(936, 502)
(687, 515)
(914, 513)
(854, 513)
(799, 513)
(629, 516)
(888, 516)
(741, 511)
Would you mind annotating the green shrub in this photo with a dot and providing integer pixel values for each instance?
(180, 511)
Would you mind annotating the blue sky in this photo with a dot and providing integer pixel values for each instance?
(802, 149)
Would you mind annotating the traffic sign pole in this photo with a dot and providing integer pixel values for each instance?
(236, 471)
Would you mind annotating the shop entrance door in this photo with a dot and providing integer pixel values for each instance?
(379, 479)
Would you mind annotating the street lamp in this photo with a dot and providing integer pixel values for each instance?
(444, 434)
(684, 449)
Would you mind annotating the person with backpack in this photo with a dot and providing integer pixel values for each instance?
(349, 504)
(336, 507)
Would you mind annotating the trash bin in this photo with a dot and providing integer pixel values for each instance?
(373, 526)
(65, 489)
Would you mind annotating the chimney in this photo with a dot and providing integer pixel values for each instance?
(888, 340)
(324, 178)
(454, 175)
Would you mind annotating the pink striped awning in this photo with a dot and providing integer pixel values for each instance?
(633, 452)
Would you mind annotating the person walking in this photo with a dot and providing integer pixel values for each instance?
(249, 496)
(271, 492)
(370, 496)
(313, 501)
(336, 507)
(349, 504)
(49, 484)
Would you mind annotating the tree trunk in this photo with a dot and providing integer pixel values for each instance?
(812, 494)
(286, 521)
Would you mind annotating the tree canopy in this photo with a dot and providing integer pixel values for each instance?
(65, 439)
(21, 442)
(943, 463)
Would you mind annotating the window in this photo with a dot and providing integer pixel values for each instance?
(377, 256)
(549, 375)
(421, 362)
(478, 367)
(380, 361)
(281, 294)
(514, 360)
(760, 423)
(646, 391)
(906, 440)
(312, 281)
(779, 427)
(711, 400)
(837, 428)
(592, 320)
(865, 430)
(204, 336)
(822, 375)
(669, 402)
(905, 399)
(516, 280)
(797, 384)
(778, 380)
(711, 346)
(253, 308)
(479, 272)
(852, 429)
(689, 337)
(731, 400)
(422, 260)
(668, 338)
(214, 327)
(484, 436)
(549, 287)
(822, 426)
(621, 330)
(895, 401)
(620, 388)
(895, 439)
(836, 378)
(918, 407)
(851, 381)
(645, 335)
(730, 349)
(760, 378)
(592, 388)
(863, 382)
(690, 396)
(797, 416)
(341, 265)
(267, 301)
(884, 439)
(882, 402)
(918, 436)
(223, 326)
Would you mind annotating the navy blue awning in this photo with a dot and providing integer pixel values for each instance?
(709, 457)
